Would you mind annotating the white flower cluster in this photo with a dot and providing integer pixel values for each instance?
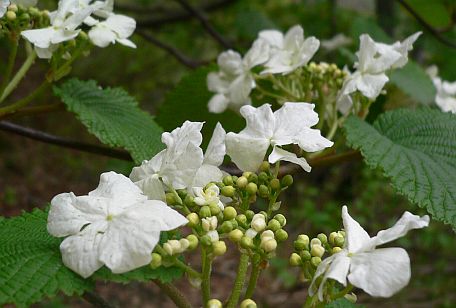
(105, 27)
(119, 223)
(445, 96)
(278, 53)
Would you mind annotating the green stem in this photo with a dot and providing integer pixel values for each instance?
(190, 271)
(19, 75)
(267, 93)
(239, 281)
(342, 293)
(206, 276)
(173, 293)
(10, 65)
(254, 275)
(25, 101)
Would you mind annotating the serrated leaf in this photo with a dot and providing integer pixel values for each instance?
(188, 101)
(113, 116)
(30, 262)
(417, 150)
(414, 81)
(342, 303)
(143, 274)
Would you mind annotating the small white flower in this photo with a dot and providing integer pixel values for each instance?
(114, 225)
(288, 52)
(4, 7)
(208, 196)
(445, 96)
(176, 166)
(291, 124)
(378, 271)
(116, 28)
(209, 223)
(234, 82)
(213, 235)
(251, 233)
(258, 222)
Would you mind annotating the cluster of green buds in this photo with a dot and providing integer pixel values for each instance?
(330, 74)
(18, 18)
(165, 254)
(309, 253)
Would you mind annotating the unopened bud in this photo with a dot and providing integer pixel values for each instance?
(305, 255)
(300, 245)
(251, 188)
(274, 225)
(332, 237)
(263, 191)
(226, 227)
(339, 241)
(269, 245)
(246, 242)
(215, 209)
(214, 303)
(229, 213)
(315, 261)
(193, 241)
(317, 251)
(241, 219)
(189, 201)
(336, 250)
(281, 235)
(228, 191)
(246, 174)
(287, 180)
(281, 219)
(258, 222)
(295, 259)
(171, 199)
(213, 235)
(315, 241)
(263, 177)
(193, 220)
(323, 238)
(13, 8)
(168, 248)
(235, 235)
(253, 178)
(248, 303)
(251, 233)
(184, 244)
(267, 234)
(10, 15)
(351, 297)
(156, 261)
(304, 238)
(219, 248)
(205, 211)
(249, 214)
(228, 180)
(275, 184)
(26, 17)
(242, 182)
(264, 166)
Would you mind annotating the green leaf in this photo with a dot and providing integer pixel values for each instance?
(143, 274)
(113, 116)
(433, 12)
(417, 150)
(188, 101)
(342, 303)
(414, 81)
(30, 262)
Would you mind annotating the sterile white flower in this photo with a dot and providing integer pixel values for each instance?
(116, 28)
(289, 51)
(176, 166)
(3, 7)
(208, 196)
(291, 124)
(114, 225)
(445, 96)
(234, 81)
(378, 271)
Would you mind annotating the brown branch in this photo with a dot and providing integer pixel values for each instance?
(178, 16)
(205, 23)
(96, 300)
(427, 26)
(62, 142)
(171, 50)
(35, 110)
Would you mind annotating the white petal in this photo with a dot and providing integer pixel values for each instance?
(311, 140)
(404, 47)
(216, 148)
(273, 37)
(45, 53)
(101, 36)
(257, 54)
(117, 187)
(152, 187)
(218, 103)
(206, 174)
(123, 26)
(217, 83)
(280, 154)
(321, 269)
(126, 42)
(39, 37)
(62, 35)
(381, 272)
(337, 270)
(77, 18)
(230, 62)
(407, 222)
(239, 90)
(80, 251)
(259, 121)
(344, 103)
(371, 85)
(356, 237)
(245, 151)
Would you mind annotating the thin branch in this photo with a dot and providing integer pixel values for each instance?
(174, 294)
(66, 143)
(96, 300)
(427, 26)
(177, 16)
(206, 24)
(35, 110)
(171, 50)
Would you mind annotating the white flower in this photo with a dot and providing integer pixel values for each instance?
(3, 7)
(288, 52)
(116, 28)
(374, 59)
(213, 158)
(379, 272)
(208, 196)
(445, 96)
(234, 82)
(176, 166)
(209, 223)
(258, 222)
(114, 225)
(288, 125)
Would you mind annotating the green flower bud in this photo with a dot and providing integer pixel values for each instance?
(303, 238)
(281, 235)
(332, 236)
(317, 251)
(351, 297)
(183, 193)
(235, 178)
(242, 182)
(263, 191)
(228, 191)
(269, 245)
(275, 184)
(300, 245)
(193, 220)
(241, 219)
(246, 174)
(170, 199)
(323, 238)
(206, 240)
(235, 235)
(13, 8)
(83, 35)
(214, 303)
(246, 242)
(336, 250)
(229, 213)
(251, 188)
(263, 177)
(215, 209)
(34, 11)
(295, 259)
(339, 241)
(226, 227)
(193, 240)
(342, 233)
(205, 211)
(234, 223)
(253, 178)
(264, 166)
(156, 261)
(305, 255)
(219, 248)
(249, 214)
(315, 241)
(248, 303)
(228, 180)
(315, 261)
(287, 180)
(281, 219)
(10, 15)
(274, 225)
(24, 17)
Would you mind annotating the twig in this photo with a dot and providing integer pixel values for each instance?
(171, 50)
(66, 143)
(427, 26)
(173, 293)
(35, 110)
(96, 300)
(178, 16)
(206, 24)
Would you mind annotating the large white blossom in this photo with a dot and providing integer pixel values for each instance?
(116, 28)
(3, 7)
(288, 52)
(374, 60)
(176, 166)
(291, 124)
(378, 271)
(234, 81)
(445, 96)
(114, 225)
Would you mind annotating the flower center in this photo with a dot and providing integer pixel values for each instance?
(109, 217)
